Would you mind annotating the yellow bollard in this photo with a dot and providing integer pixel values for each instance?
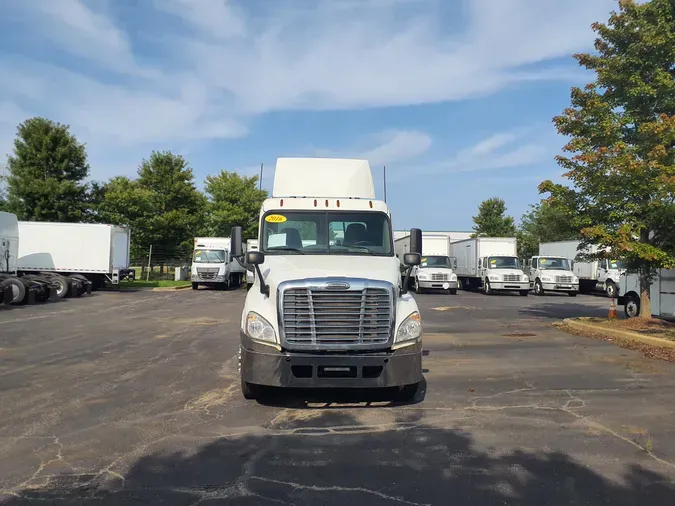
(612, 310)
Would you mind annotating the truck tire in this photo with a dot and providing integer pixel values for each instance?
(62, 286)
(249, 390)
(632, 306)
(538, 287)
(524, 293)
(610, 289)
(18, 290)
(418, 288)
(452, 291)
(488, 287)
(195, 286)
(572, 294)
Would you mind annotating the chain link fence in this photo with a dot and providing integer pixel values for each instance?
(159, 263)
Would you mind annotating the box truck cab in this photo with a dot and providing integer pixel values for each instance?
(552, 274)
(328, 308)
(251, 245)
(435, 272)
(662, 294)
(212, 264)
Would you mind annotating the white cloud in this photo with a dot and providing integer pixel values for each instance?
(397, 145)
(214, 18)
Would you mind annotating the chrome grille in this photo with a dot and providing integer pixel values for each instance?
(207, 273)
(563, 279)
(439, 277)
(511, 277)
(334, 318)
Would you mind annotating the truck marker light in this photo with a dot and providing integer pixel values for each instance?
(338, 203)
(326, 202)
(371, 204)
(314, 202)
(281, 203)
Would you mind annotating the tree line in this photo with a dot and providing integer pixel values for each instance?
(46, 181)
(620, 156)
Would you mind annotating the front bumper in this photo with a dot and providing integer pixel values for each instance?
(509, 285)
(561, 287)
(437, 285)
(264, 365)
(196, 279)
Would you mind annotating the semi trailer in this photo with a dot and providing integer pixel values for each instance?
(328, 308)
(491, 264)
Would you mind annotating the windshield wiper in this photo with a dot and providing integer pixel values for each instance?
(285, 248)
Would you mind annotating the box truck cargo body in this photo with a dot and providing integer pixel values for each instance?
(601, 275)
(97, 252)
(327, 308)
(489, 263)
(662, 294)
(435, 271)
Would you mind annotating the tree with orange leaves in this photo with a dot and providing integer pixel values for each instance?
(620, 159)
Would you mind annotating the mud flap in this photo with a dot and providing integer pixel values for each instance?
(53, 296)
(31, 295)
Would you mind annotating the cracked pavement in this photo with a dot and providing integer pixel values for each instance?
(133, 398)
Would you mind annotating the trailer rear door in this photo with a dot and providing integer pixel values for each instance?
(120, 248)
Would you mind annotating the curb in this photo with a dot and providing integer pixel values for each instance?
(165, 288)
(614, 333)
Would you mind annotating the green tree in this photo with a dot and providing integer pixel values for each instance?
(3, 193)
(46, 173)
(234, 200)
(178, 208)
(622, 150)
(491, 220)
(546, 221)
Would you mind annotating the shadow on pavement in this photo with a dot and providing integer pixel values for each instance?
(563, 310)
(347, 463)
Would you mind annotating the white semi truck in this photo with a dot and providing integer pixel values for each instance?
(662, 294)
(491, 264)
(213, 265)
(94, 254)
(435, 271)
(327, 308)
(552, 274)
(601, 275)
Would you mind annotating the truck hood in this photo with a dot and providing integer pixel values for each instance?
(278, 268)
(555, 272)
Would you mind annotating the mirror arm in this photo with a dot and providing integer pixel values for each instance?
(264, 287)
(406, 280)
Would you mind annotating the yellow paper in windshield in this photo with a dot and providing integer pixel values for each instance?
(493, 261)
(543, 260)
(275, 218)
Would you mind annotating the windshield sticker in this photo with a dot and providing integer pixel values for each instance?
(543, 260)
(493, 261)
(275, 218)
(424, 260)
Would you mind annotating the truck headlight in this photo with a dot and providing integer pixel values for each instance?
(546, 279)
(410, 328)
(423, 276)
(453, 277)
(494, 278)
(575, 279)
(259, 328)
(526, 278)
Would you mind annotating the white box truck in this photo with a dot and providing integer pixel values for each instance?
(328, 308)
(491, 264)
(435, 271)
(251, 245)
(662, 294)
(601, 275)
(91, 253)
(552, 274)
(213, 265)
(17, 287)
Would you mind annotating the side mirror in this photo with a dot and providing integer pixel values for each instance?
(236, 245)
(255, 257)
(416, 241)
(412, 259)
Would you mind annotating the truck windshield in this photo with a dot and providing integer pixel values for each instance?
(209, 256)
(326, 233)
(503, 263)
(614, 264)
(559, 264)
(436, 261)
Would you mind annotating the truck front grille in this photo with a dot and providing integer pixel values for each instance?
(207, 273)
(563, 279)
(439, 277)
(511, 277)
(334, 318)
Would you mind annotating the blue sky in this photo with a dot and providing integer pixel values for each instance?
(454, 96)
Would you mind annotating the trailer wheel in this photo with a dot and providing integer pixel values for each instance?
(18, 290)
(632, 306)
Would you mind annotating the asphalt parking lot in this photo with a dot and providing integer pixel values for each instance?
(133, 398)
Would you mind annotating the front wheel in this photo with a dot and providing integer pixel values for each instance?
(452, 291)
(632, 307)
(610, 289)
(538, 288)
(195, 286)
(572, 294)
(418, 288)
(488, 287)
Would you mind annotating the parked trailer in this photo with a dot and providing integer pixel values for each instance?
(83, 255)
(213, 265)
(435, 271)
(15, 287)
(601, 275)
(490, 263)
(662, 294)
